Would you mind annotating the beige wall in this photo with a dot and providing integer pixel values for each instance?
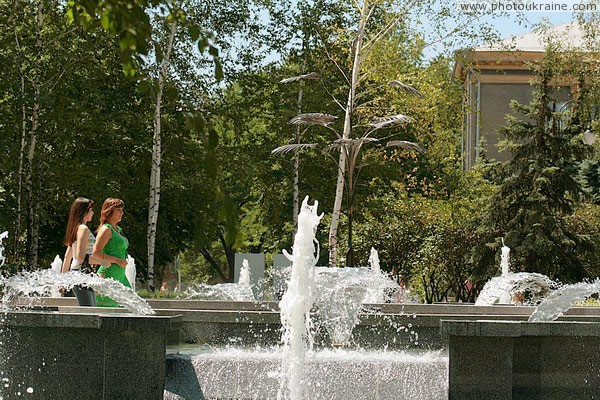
(487, 104)
(495, 105)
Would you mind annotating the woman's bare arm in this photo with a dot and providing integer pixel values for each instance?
(104, 235)
(83, 237)
(66, 265)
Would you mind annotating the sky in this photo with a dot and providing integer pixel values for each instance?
(508, 26)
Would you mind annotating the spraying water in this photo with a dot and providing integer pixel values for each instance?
(40, 283)
(374, 260)
(44, 282)
(562, 299)
(241, 291)
(130, 271)
(56, 266)
(505, 259)
(297, 302)
(244, 274)
(340, 295)
(3, 236)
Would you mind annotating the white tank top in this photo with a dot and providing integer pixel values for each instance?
(91, 240)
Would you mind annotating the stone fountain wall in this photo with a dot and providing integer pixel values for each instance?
(523, 360)
(47, 355)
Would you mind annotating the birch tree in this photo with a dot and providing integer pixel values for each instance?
(174, 21)
(32, 200)
(375, 21)
(23, 137)
(154, 196)
(359, 50)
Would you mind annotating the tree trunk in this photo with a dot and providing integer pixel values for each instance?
(297, 154)
(19, 217)
(32, 198)
(230, 257)
(20, 171)
(208, 257)
(154, 197)
(350, 253)
(339, 190)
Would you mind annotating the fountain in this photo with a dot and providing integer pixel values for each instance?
(241, 291)
(538, 359)
(107, 344)
(341, 295)
(517, 288)
(374, 261)
(507, 353)
(56, 267)
(130, 271)
(297, 302)
(315, 296)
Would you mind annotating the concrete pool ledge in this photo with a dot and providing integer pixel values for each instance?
(95, 356)
(523, 360)
(90, 318)
(502, 328)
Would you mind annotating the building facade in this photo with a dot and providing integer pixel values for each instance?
(493, 77)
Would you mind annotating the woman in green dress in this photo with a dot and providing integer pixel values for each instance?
(111, 245)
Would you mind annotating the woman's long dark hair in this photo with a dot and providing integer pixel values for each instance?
(79, 208)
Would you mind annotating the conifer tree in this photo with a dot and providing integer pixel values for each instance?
(539, 189)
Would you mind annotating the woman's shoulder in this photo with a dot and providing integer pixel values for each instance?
(83, 228)
(104, 228)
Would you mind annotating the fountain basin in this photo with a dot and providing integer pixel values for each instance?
(52, 355)
(329, 374)
(523, 360)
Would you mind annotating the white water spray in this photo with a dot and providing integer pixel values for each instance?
(562, 299)
(520, 288)
(297, 302)
(374, 261)
(244, 274)
(3, 236)
(41, 283)
(56, 266)
(130, 271)
(240, 291)
(505, 259)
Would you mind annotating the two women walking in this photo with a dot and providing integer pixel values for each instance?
(85, 252)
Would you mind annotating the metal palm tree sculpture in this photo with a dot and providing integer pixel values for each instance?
(352, 147)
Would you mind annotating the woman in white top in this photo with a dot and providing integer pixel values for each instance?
(80, 241)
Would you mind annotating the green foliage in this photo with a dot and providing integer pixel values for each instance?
(589, 302)
(130, 21)
(157, 294)
(426, 241)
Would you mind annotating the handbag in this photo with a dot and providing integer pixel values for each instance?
(86, 267)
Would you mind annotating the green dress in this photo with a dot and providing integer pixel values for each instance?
(116, 247)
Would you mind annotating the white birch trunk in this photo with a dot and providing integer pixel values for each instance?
(32, 219)
(154, 198)
(339, 190)
(297, 154)
(19, 216)
(20, 170)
